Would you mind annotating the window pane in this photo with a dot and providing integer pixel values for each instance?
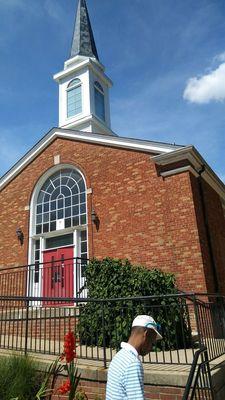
(74, 101)
(82, 198)
(83, 219)
(83, 235)
(99, 104)
(68, 212)
(59, 214)
(75, 221)
(68, 199)
(81, 186)
(38, 229)
(75, 200)
(60, 203)
(46, 207)
(55, 194)
(59, 241)
(37, 254)
(46, 217)
(84, 247)
(53, 205)
(45, 228)
(53, 216)
(52, 226)
(68, 222)
(74, 82)
(82, 208)
(39, 219)
(75, 210)
(46, 197)
(39, 209)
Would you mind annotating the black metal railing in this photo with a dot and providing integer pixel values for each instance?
(199, 384)
(37, 324)
(55, 278)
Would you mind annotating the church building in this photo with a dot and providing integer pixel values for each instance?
(84, 191)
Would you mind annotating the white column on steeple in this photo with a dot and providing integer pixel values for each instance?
(83, 84)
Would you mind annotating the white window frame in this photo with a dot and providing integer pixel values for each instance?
(36, 289)
(98, 87)
(70, 87)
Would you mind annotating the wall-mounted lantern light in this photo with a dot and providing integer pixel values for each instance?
(20, 235)
(95, 219)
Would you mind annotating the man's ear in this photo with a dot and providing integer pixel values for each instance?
(145, 333)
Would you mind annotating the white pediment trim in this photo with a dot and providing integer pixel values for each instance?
(104, 140)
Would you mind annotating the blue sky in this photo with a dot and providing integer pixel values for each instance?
(165, 57)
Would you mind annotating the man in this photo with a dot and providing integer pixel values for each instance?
(125, 375)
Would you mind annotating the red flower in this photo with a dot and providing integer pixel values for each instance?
(69, 347)
(65, 388)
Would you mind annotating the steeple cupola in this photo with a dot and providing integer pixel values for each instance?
(83, 85)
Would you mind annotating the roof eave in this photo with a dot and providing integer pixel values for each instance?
(94, 138)
(195, 159)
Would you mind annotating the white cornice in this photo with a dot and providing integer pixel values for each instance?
(89, 119)
(177, 171)
(111, 141)
(77, 59)
(190, 154)
(76, 67)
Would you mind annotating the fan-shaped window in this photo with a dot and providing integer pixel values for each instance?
(74, 98)
(61, 202)
(99, 101)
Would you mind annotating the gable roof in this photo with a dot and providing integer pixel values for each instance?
(101, 139)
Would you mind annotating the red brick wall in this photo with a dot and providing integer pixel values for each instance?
(96, 391)
(143, 217)
(216, 226)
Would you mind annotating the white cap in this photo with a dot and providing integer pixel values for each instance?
(147, 322)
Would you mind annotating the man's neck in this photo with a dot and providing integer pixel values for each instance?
(135, 344)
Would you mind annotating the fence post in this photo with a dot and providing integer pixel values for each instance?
(196, 310)
(103, 333)
(26, 326)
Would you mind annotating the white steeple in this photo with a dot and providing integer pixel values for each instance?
(83, 85)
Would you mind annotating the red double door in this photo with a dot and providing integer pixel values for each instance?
(58, 273)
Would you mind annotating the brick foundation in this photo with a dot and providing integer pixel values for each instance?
(96, 391)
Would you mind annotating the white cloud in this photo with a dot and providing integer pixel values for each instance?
(220, 57)
(207, 88)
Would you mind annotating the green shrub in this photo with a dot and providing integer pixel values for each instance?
(111, 278)
(19, 378)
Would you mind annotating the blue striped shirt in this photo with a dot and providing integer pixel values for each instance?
(125, 375)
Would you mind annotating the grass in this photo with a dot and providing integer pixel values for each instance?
(19, 378)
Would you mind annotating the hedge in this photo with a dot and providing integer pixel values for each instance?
(114, 279)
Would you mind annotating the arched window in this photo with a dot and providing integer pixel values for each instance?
(74, 98)
(99, 101)
(61, 202)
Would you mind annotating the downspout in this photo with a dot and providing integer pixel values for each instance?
(207, 229)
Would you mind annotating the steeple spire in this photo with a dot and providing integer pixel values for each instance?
(83, 43)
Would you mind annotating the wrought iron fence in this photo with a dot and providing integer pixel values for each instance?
(55, 278)
(199, 384)
(211, 324)
(38, 325)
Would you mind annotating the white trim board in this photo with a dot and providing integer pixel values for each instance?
(196, 161)
(111, 141)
